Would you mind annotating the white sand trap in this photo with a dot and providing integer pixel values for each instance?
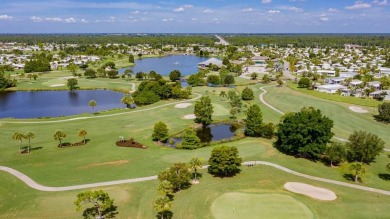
(312, 191)
(57, 85)
(183, 105)
(357, 109)
(189, 116)
(69, 77)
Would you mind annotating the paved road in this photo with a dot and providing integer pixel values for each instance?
(286, 72)
(96, 117)
(30, 182)
(222, 41)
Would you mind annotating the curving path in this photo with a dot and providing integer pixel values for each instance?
(30, 182)
(102, 116)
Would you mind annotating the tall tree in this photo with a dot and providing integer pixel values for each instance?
(224, 161)
(304, 133)
(190, 139)
(175, 75)
(29, 136)
(336, 153)
(128, 100)
(254, 121)
(203, 111)
(160, 132)
(131, 58)
(83, 133)
(72, 68)
(92, 103)
(163, 206)
(58, 136)
(165, 188)
(247, 94)
(195, 164)
(228, 80)
(178, 175)
(19, 137)
(72, 83)
(384, 112)
(358, 170)
(364, 147)
(102, 204)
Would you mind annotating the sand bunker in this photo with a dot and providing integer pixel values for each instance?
(189, 116)
(357, 109)
(183, 105)
(57, 85)
(312, 191)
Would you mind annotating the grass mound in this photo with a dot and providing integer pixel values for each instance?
(244, 205)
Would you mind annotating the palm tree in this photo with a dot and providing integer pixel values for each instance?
(92, 103)
(59, 135)
(128, 100)
(29, 136)
(19, 137)
(222, 94)
(195, 164)
(83, 133)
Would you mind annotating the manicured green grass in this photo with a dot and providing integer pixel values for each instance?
(246, 205)
(335, 97)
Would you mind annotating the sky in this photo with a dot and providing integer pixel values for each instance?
(195, 16)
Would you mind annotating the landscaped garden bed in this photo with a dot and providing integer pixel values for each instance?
(130, 143)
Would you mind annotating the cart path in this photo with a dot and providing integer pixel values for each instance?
(261, 97)
(102, 116)
(30, 182)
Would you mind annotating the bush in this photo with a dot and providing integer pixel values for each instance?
(384, 112)
(146, 98)
(304, 82)
(247, 94)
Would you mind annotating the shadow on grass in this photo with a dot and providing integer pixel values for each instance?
(349, 177)
(165, 215)
(384, 176)
(25, 149)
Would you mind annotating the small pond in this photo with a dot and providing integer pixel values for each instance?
(35, 104)
(214, 132)
(186, 64)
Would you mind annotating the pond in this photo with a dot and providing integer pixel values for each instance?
(186, 64)
(35, 104)
(214, 132)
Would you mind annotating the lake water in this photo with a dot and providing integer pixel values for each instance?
(186, 64)
(34, 104)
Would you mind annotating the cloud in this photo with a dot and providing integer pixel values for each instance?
(324, 18)
(167, 19)
(266, 1)
(358, 5)
(333, 10)
(208, 11)
(83, 21)
(380, 3)
(70, 20)
(5, 17)
(247, 10)
(295, 9)
(180, 9)
(36, 19)
(53, 19)
(273, 12)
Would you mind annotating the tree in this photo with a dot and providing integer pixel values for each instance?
(304, 82)
(336, 153)
(165, 188)
(304, 133)
(72, 83)
(83, 133)
(384, 112)
(280, 82)
(175, 75)
(224, 161)
(178, 175)
(163, 206)
(90, 73)
(58, 136)
(254, 76)
(160, 132)
(190, 139)
(358, 170)
(29, 136)
(131, 58)
(364, 147)
(128, 100)
(213, 79)
(195, 164)
(203, 111)
(265, 79)
(222, 94)
(112, 73)
(228, 80)
(92, 103)
(19, 137)
(233, 112)
(102, 204)
(247, 94)
(254, 121)
(72, 68)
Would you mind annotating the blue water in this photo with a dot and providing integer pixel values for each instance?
(34, 104)
(186, 64)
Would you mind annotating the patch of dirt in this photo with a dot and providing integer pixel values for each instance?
(57, 85)
(358, 109)
(111, 163)
(189, 116)
(182, 105)
(311, 191)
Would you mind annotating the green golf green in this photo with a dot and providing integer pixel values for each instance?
(244, 205)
